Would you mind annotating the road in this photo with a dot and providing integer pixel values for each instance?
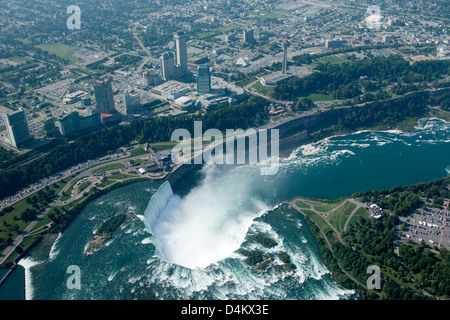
(123, 159)
(292, 203)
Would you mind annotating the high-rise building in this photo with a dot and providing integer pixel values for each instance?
(69, 124)
(181, 53)
(203, 79)
(73, 124)
(51, 130)
(149, 79)
(284, 64)
(86, 101)
(248, 36)
(167, 66)
(17, 128)
(104, 96)
(132, 104)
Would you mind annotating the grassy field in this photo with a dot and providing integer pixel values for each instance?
(110, 167)
(246, 81)
(84, 186)
(11, 223)
(163, 146)
(327, 207)
(20, 59)
(333, 59)
(61, 50)
(120, 176)
(302, 204)
(218, 30)
(320, 97)
(337, 216)
(318, 220)
(360, 214)
(267, 91)
(264, 15)
(137, 152)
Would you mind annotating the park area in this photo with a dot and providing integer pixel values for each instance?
(335, 215)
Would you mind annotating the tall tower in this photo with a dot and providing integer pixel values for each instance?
(181, 52)
(167, 66)
(284, 66)
(248, 36)
(17, 128)
(203, 79)
(104, 96)
(132, 103)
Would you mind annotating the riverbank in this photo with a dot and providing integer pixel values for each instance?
(351, 240)
(310, 123)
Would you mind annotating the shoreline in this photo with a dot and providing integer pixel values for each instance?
(292, 150)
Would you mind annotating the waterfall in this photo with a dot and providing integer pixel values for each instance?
(157, 204)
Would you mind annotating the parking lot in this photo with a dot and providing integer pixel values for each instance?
(431, 225)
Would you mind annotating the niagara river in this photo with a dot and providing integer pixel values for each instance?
(185, 245)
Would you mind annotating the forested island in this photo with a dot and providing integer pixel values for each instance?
(104, 232)
(262, 261)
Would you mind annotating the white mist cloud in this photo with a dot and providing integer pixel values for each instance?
(209, 223)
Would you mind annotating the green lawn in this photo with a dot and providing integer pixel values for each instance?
(359, 215)
(333, 59)
(302, 204)
(14, 224)
(61, 50)
(218, 30)
(2, 128)
(137, 152)
(20, 59)
(326, 208)
(335, 218)
(110, 167)
(318, 220)
(267, 91)
(163, 146)
(137, 162)
(264, 15)
(319, 97)
(120, 176)
(106, 183)
(84, 186)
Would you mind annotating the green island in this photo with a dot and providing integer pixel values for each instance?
(105, 232)
(261, 260)
(351, 239)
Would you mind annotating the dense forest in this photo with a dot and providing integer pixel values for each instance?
(415, 263)
(350, 79)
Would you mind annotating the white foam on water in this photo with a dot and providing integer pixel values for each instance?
(147, 240)
(27, 264)
(53, 252)
(205, 226)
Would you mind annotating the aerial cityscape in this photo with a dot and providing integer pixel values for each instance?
(225, 150)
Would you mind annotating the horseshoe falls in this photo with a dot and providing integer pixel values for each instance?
(188, 245)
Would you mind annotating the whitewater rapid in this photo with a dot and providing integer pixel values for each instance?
(190, 246)
(205, 226)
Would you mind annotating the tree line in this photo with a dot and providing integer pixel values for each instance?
(99, 143)
(344, 81)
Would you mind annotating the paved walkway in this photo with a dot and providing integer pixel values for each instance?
(328, 242)
(74, 196)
